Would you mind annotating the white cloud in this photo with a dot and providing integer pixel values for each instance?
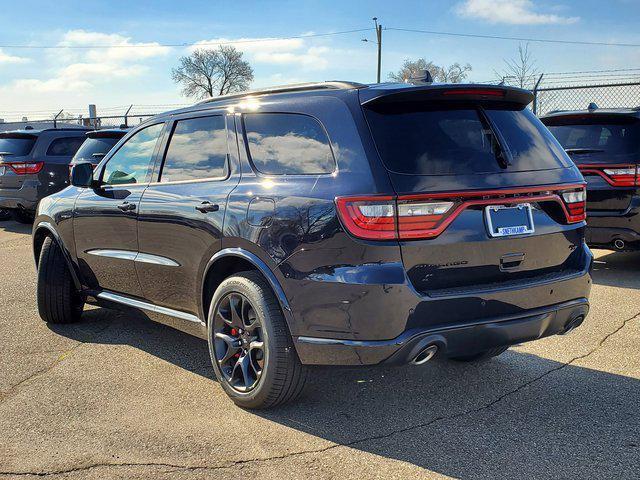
(79, 69)
(274, 51)
(113, 47)
(515, 12)
(88, 71)
(6, 58)
(51, 85)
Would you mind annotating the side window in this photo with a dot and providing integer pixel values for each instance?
(288, 144)
(64, 147)
(132, 162)
(197, 150)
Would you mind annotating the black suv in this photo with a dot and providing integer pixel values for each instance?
(605, 144)
(97, 145)
(34, 164)
(332, 223)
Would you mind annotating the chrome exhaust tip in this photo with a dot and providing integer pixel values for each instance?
(619, 244)
(573, 324)
(425, 355)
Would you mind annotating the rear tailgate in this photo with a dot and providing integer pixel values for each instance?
(606, 148)
(462, 166)
(15, 149)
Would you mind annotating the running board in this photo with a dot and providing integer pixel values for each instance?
(130, 302)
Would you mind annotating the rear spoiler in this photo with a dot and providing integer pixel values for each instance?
(447, 92)
(584, 118)
(107, 133)
(27, 136)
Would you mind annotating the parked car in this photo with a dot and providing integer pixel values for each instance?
(605, 144)
(34, 164)
(333, 223)
(97, 145)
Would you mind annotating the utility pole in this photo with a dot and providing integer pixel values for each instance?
(379, 44)
(379, 35)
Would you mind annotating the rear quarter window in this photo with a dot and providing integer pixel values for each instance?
(288, 144)
(64, 147)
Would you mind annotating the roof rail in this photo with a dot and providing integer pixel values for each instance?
(296, 87)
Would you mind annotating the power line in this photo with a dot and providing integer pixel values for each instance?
(520, 39)
(326, 34)
(189, 44)
(596, 71)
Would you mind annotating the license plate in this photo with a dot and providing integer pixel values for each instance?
(504, 221)
(2, 170)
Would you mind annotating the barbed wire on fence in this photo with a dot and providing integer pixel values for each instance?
(556, 91)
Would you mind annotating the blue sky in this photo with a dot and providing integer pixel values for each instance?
(40, 80)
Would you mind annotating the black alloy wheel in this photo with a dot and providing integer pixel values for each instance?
(240, 349)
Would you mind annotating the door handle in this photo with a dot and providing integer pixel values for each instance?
(127, 207)
(206, 207)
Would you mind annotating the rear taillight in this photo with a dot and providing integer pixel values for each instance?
(408, 217)
(372, 218)
(420, 219)
(389, 218)
(25, 168)
(615, 175)
(576, 203)
(622, 177)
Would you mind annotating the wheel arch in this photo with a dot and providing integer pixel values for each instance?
(232, 260)
(40, 233)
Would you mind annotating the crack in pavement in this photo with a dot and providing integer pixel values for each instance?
(333, 446)
(14, 388)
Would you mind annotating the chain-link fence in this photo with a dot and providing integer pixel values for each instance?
(578, 97)
(547, 98)
(114, 121)
(129, 116)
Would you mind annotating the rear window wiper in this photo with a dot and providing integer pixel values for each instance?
(571, 151)
(6, 153)
(502, 152)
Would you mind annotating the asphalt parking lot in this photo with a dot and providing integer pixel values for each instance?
(118, 396)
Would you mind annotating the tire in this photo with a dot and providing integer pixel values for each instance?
(4, 214)
(23, 216)
(479, 357)
(58, 299)
(282, 377)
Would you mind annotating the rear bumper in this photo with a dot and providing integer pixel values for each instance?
(451, 341)
(607, 236)
(389, 322)
(26, 197)
(48, 181)
(604, 228)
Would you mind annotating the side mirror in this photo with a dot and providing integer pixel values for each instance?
(82, 174)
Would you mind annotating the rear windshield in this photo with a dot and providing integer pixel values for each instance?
(436, 140)
(93, 149)
(612, 136)
(16, 146)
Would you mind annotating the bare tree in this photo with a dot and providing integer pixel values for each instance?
(454, 73)
(520, 71)
(207, 73)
